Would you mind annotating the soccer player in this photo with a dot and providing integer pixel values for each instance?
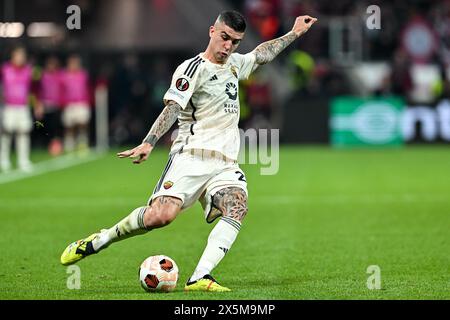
(16, 77)
(50, 96)
(202, 165)
(76, 112)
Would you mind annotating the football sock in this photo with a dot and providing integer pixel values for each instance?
(83, 138)
(69, 142)
(130, 226)
(220, 240)
(23, 149)
(5, 145)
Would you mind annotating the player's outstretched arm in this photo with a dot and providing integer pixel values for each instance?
(267, 51)
(162, 124)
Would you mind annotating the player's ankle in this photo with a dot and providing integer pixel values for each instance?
(198, 274)
(101, 241)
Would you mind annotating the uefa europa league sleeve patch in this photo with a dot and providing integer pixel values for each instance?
(182, 84)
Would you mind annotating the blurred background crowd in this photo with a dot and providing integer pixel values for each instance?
(412, 34)
(132, 48)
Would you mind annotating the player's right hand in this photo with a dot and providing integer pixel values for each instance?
(140, 153)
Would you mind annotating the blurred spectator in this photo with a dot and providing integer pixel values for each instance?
(129, 101)
(16, 77)
(76, 113)
(259, 95)
(50, 96)
(399, 81)
(301, 66)
(263, 15)
(442, 86)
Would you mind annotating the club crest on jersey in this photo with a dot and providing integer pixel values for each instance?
(233, 70)
(231, 90)
(182, 84)
(168, 185)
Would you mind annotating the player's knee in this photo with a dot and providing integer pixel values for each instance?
(165, 217)
(160, 214)
(157, 217)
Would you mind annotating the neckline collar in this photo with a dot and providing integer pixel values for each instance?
(202, 55)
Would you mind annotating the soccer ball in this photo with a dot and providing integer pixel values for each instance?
(158, 273)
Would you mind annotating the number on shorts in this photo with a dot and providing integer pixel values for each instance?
(241, 176)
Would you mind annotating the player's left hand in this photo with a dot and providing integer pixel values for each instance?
(141, 152)
(302, 24)
(39, 111)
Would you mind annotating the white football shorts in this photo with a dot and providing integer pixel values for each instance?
(197, 175)
(17, 119)
(76, 114)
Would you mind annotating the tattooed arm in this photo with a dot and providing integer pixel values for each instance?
(267, 51)
(162, 124)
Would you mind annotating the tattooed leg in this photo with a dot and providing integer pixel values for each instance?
(232, 202)
(160, 213)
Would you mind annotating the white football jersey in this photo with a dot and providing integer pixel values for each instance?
(208, 95)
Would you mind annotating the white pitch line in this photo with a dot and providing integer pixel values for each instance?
(60, 163)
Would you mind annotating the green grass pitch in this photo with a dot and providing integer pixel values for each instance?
(311, 232)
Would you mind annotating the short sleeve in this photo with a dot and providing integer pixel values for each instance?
(184, 83)
(248, 65)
